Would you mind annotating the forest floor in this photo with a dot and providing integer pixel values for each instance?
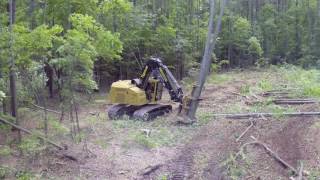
(209, 149)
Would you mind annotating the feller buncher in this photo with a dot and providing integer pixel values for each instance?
(138, 98)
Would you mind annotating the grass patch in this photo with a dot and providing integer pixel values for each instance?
(234, 170)
(219, 79)
(158, 137)
(58, 127)
(163, 177)
(145, 141)
(4, 172)
(3, 126)
(314, 175)
(245, 89)
(265, 85)
(25, 175)
(31, 146)
(5, 150)
(204, 117)
(307, 82)
(162, 133)
(316, 125)
(102, 143)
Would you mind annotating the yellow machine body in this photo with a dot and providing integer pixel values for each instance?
(124, 92)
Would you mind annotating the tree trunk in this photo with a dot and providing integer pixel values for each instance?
(31, 14)
(206, 60)
(13, 90)
(49, 73)
(318, 8)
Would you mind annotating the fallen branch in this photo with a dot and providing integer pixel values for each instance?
(244, 132)
(259, 115)
(274, 93)
(294, 101)
(29, 132)
(237, 94)
(275, 156)
(49, 110)
(150, 169)
(300, 175)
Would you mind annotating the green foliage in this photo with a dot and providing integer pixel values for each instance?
(265, 85)
(255, 47)
(58, 127)
(24, 175)
(5, 151)
(4, 171)
(242, 29)
(315, 174)
(307, 81)
(245, 89)
(220, 79)
(31, 146)
(144, 141)
(234, 169)
(2, 96)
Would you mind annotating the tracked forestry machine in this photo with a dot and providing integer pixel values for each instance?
(138, 98)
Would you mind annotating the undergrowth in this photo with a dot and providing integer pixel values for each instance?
(306, 82)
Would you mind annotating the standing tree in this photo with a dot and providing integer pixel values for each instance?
(206, 60)
(13, 90)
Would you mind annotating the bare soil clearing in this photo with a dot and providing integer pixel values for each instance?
(122, 150)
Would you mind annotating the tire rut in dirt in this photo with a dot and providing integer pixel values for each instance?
(181, 167)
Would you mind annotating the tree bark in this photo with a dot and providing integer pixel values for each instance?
(318, 8)
(31, 14)
(13, 90)
(206, 60)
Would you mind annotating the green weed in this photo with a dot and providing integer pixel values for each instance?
(102, 143)
(306, 81)
(145, 141)
(3, 126)
(245, 90)
(5, 151)
(162, 177)
(265, 85)
(31, 146)
(316, 125)
(314, 175)
(235, 171)
(58, 127)
(219, 79)
(204, 117)
(24, 175)
(4, 172)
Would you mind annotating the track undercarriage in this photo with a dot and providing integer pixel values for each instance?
(145, 112)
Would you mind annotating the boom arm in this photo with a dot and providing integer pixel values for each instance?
(156, 68)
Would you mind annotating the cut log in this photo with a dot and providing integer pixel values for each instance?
(260, 115)
(49, 110)
(29, 132)
(294, 101)
(274, 93)
(150, 169)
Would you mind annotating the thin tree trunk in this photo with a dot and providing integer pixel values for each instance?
(45, 107)
(4, 106)
(13, 90)
(206, 60)
(31, 14)
(318, 8)
(77, 117)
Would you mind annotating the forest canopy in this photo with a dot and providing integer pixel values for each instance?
(90, 42)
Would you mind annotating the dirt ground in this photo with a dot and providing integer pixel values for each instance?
(123, 149)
